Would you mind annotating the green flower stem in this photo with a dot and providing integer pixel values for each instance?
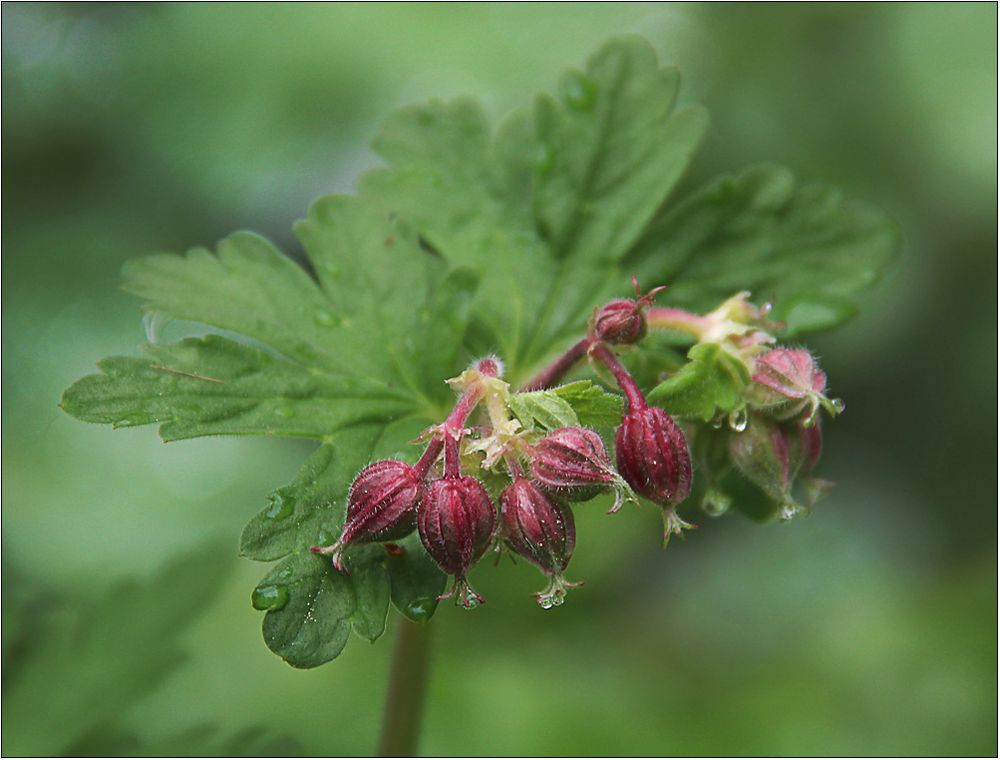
(404, 702)
(662, 318)
(555, 371)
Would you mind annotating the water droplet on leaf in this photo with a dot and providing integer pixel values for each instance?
(324, 318)
(325, 538)
(543, 158)
(578, 90)
(420, 609)
(282, 505)
(270, 597)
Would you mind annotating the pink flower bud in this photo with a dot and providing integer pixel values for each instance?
(381, 506)
(573, 462)
(653, 458)
(456, 520)
(622, 321)
(788, 383)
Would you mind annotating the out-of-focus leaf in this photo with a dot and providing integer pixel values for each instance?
(805, 246)
(95, 658)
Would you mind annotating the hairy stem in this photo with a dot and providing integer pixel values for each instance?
(662, 318)
(636, 401)
(404, 702)
(555, 371)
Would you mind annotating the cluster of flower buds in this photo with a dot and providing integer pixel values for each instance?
(773, 439)
(772, 442)
(783, 439)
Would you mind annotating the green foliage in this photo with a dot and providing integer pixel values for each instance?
(712, 382)
(73, 666)
(805, 246)
(470, 240)
(544, 410)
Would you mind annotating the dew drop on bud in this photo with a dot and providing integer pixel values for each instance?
(838, 404)
(738, 420)
(788, 511)
(715, 503)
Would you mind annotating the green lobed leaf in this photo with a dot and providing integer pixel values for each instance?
(611, 150)
(557, 195)
(804, 245)
(248, 287)
(593, 406)
(549, 212)
(214, 386)
(712, 382)
(311, 608)
(545, 410)
(415, 581)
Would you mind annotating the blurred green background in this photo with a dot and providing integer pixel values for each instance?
(868, 628)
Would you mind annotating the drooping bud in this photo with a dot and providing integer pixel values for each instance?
(653, 458)
(456, 520)
(574, 463)
(788, 383)
(622, 321)
(541, 529)
(381, 506)
(771, 454)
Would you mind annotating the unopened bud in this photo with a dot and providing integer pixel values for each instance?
(381, 506)
(622, 321)
(573, 462)
(456, 520)
(540, 528)
(772, 454)
(653, 458)
(789, 384)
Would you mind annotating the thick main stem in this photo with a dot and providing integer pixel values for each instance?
(404, 702)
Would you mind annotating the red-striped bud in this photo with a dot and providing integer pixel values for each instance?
(456, 520)
(573, 462)
(541, 529)
(653, 458)
(381, 506)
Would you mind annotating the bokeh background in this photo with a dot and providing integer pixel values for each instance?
(868, 628)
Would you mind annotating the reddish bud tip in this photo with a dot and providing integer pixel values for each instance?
(456, 520)
(381, 506)
(622, 321)
(537, 526)
(652, 456)
(572, 461)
